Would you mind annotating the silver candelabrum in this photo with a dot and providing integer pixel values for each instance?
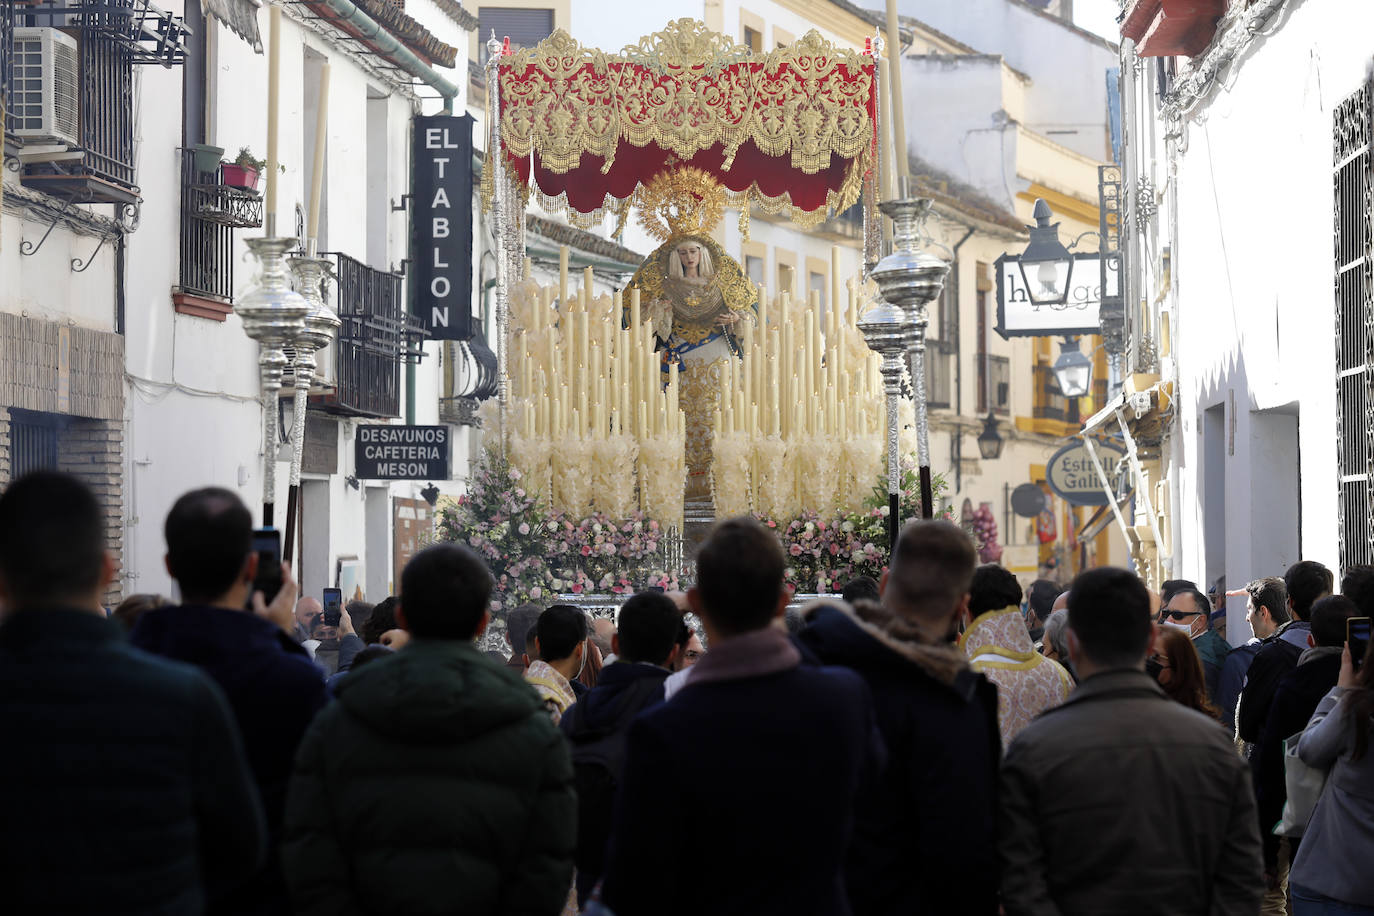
(886, 330)
(273, 314)
(910, 279)
(319, 331)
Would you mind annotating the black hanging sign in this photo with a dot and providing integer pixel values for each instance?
(383, 452)
(441, 225)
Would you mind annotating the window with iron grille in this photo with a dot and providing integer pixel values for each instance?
(939, 373)
(111, 36)
(378, 335)
(210, 211)
(1354, 284)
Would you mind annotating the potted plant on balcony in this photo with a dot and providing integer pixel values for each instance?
(245, 170)
(206, 157)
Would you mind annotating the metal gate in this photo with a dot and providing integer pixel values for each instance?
(33, 444)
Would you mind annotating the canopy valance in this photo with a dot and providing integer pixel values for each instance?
(793, 130)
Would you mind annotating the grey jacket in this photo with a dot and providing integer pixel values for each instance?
(1121, 795)
(1334, 856)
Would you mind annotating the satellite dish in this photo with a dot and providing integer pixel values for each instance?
(1028, 500)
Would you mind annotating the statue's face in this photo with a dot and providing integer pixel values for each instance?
(690, 255)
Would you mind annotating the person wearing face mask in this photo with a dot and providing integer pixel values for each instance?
(561, 642)
(1188, 611)
(1177, 667)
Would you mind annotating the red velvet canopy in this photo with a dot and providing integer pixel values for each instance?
(793, 130)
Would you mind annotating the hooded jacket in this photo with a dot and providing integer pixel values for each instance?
(435, 783)
(924, 837)
(999, 647)
(274, 690)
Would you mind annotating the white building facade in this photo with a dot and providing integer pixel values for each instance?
(147, 322)
(1248, 287)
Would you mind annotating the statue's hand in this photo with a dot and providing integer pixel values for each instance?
(726, 319)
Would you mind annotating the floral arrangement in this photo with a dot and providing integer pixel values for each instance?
(535, 554)
(825, 553)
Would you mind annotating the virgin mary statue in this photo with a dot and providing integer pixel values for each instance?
(694, 296)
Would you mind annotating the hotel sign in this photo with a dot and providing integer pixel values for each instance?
(1018, 316)
(441, 225)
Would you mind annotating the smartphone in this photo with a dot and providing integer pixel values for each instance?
(1357, 635)
(333, 606)
(267, 545)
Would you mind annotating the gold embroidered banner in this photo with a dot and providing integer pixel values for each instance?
(793, 129)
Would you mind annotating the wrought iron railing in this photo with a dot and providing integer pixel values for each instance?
(378, 336)
(114, 35)
(207, 245)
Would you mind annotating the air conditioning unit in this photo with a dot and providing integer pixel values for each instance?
(44, 101)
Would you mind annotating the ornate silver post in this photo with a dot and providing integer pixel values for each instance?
(272, 314)
(886, 331)
(321, 326)
(911, 279)
(873, 223)
(509, 245)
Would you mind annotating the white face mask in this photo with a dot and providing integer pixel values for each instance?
(1179, 626)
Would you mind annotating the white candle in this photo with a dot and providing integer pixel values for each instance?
(312, 229)
(273, 90)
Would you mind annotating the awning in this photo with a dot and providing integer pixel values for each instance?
(239, 16)
(793, 130)
(1130, 413)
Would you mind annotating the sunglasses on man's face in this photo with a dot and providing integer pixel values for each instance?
(1179, 615)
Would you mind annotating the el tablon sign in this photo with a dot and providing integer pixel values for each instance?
(402, 453)
(441, 222)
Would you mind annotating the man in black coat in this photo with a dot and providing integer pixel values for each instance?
(128, 788)
(645, 646)
(925, 838)
(268, 677)
(1305, 582)
(765, 753)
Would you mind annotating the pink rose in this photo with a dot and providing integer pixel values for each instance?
(795, 550)
(586, 550)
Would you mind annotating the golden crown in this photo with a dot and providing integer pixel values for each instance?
(680, 201)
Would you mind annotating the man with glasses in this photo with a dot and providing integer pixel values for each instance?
(1190, 610)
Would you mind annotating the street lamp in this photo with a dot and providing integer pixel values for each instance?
(1072, 370)
(1046, 266)
(990, 440)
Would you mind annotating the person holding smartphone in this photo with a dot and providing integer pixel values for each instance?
(236, 624)
(1331, 871)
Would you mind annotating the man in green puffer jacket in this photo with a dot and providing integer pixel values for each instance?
(436, 783)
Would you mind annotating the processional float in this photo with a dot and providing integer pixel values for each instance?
(691, 381)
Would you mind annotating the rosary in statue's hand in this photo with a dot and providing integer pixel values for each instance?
(726, 319)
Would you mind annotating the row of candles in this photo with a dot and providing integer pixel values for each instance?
(273, 166)
(582, 371)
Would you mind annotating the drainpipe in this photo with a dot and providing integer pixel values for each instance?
(387, 44)
(958, 438)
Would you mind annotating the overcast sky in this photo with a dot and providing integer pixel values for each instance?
(1097, 16)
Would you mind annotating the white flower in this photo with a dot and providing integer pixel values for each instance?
(608, 550)
(536, 592)
(596, 528)
(886, 511)
(556, 585)
(857, 556)
(524, 528)
(847, 527)
(810, 526)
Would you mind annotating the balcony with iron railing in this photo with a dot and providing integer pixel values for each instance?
(80, 147)
(378, 336)
(210, 212)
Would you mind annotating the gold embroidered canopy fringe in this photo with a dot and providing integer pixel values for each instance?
(793, 130)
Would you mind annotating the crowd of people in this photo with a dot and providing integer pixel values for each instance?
(934, 742)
